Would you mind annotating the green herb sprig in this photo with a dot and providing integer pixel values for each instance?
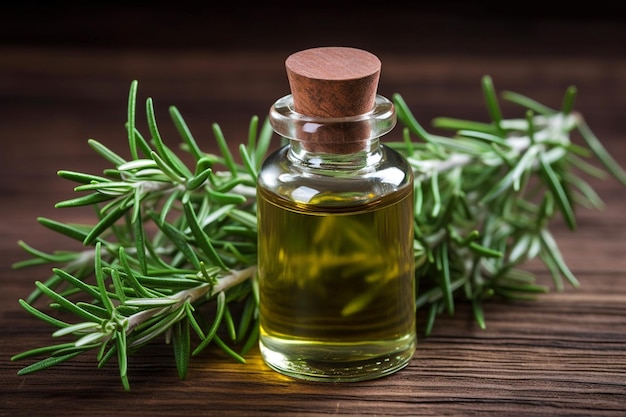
(172, 252)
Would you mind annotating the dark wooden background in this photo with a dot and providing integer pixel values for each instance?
(65, 71)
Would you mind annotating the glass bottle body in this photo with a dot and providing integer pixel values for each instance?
(336, 265)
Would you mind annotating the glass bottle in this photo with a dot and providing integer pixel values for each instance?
(335, 224)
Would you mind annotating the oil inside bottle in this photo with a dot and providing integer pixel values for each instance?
(337, 286)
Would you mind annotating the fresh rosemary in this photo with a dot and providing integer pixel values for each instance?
(172, 252)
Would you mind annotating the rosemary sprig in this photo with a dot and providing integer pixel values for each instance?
(172, 252)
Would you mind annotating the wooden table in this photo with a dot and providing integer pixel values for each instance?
(64, 80)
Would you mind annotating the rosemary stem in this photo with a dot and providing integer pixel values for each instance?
(235, 278)
(231, 280)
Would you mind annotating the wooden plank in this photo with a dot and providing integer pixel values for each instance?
(564, 354)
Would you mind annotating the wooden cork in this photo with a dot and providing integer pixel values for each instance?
(334, 82)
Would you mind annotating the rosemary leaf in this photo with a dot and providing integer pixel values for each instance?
(181, 341)
(59, 257)
(120, 339)
(42, 351)
(527, 102)
(558, 190)
(86, 200)
(263, 142)
(104, 296)
(460, 125)
(168, 158)
(185, 133)
(201, 238)
(106, 153)
(47, 363)
(42, 316)
(603, 155)
(221, 305)
(492, 101)
(105, 223)
(75, 232)
(479, 314)
(223, 146)
(67, 304)
(228, 350)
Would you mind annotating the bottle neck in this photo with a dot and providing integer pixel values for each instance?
(369, 153)
(334, 143)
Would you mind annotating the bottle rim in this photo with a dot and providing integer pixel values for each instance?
(292, 125)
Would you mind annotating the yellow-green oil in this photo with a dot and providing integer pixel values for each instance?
(336, 286)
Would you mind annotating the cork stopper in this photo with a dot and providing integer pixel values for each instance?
(334, 82)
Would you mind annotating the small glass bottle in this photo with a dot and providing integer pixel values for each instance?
(335, 224)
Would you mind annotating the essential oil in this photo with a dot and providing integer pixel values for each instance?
(335, 254)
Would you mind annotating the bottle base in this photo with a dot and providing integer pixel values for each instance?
(336, 363)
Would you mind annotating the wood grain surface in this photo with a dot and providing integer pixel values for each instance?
(65, 72)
